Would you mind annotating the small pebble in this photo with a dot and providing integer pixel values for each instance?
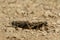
(57, 30)
(44, 33)
(58, 21)
(59, 14)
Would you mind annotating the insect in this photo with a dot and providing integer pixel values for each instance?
(28, 25)
(21, 24)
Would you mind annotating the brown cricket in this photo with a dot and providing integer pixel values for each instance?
(28, 25)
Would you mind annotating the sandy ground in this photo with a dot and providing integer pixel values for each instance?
(32, 11)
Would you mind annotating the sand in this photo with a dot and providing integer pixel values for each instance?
(32, 11)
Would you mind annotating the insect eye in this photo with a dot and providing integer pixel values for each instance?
(14, 23)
